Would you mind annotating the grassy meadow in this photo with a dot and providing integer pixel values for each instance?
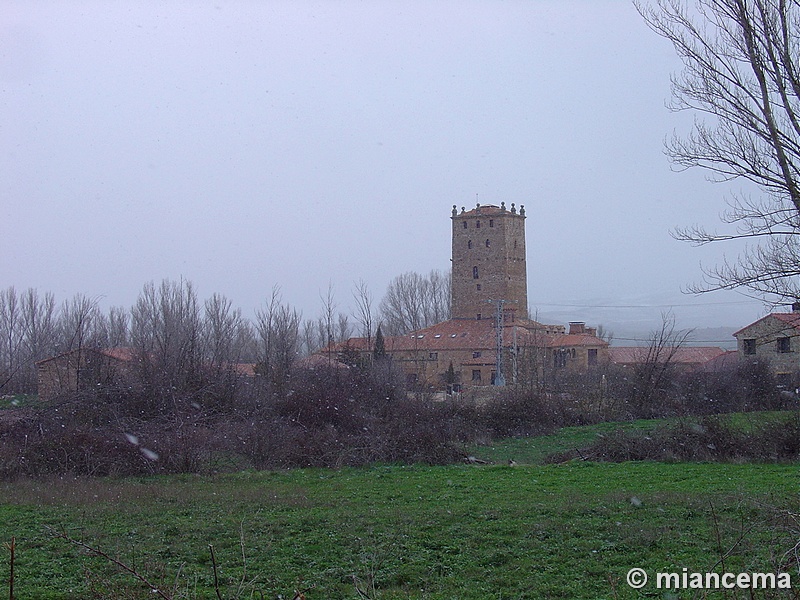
(570, 530)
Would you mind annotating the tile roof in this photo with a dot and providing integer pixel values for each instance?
(791, 318)
(686, 355)
(121, 354)
(576, 339)
(723, 362)
(471, 334)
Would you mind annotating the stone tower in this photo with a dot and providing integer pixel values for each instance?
(489, 263)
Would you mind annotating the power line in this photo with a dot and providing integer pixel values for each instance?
(559, 305)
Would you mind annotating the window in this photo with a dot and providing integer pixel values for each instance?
(476, 375)
(465, 224)
(479, 287)
(784, 345)
(469, 245)
(560, 358)
(475, 272)
(749, 346)
(476, 354)
(491, 222)
(591, 357)
(478, 318)
(433, 355)
(488, 243)
(477, 224)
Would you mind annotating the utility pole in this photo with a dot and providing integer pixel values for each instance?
(499, 377)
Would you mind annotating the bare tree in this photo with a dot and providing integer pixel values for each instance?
(741, 70)
(363, 312)
(328, 314)
(222, 331)
(312, 336)
(11, 337)
(113, 327)
(278, 330)
(653, 371)
(78, 323)
(414, 301)
(166, 328)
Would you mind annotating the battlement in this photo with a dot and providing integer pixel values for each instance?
(487, 210)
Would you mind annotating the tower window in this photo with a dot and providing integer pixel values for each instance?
(475, 272)
(488, 243)
(478, 317)
(477, 224)
(491, 222)
(465, 224)
(479, 287)
(469, 244)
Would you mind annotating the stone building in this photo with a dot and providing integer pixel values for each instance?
(82, 369)
(489, 339)
(489, 263)
(774, 339)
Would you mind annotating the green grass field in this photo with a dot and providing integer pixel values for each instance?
(558, 531)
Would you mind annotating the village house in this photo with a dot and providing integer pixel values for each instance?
(82, 369)
(773, 339)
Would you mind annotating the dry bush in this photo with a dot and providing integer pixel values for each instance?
(711, 438)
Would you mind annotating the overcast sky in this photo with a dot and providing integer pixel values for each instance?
(243, 145)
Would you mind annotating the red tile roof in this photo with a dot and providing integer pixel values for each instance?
(791, 319)
(471, 334)
(576, 339)
(686, 355)
(723, 362)
(121, 354)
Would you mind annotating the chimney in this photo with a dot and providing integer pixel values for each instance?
(592, 331)
(577, 327)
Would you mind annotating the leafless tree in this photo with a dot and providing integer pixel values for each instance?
(414, 301)
(656, 364)
(78, 322)
(113, 328)
(328, 314)
(278, 330)
(165, 329)
(222, 331)
(344, 329)
(741, 70)
(11, 336)
(363, 311)
(312, 336)
(605, 334)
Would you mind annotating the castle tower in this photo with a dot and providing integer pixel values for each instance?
(489, 263)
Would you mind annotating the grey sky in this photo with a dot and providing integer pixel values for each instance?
(246, 144)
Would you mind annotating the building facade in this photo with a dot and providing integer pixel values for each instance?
(489, 266)
(774, 339)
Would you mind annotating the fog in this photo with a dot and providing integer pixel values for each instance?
(243, 145)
